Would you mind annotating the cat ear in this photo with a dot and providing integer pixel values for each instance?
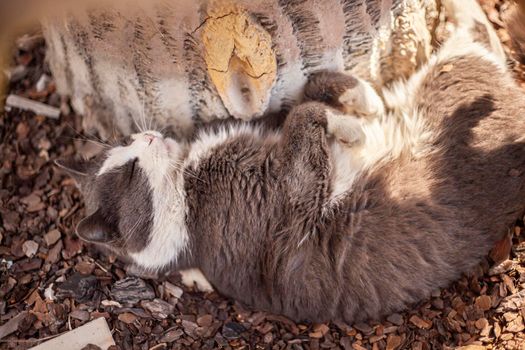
(94, 228)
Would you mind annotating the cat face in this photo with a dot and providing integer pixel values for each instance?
(134, 199)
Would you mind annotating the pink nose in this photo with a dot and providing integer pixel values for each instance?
(150, 137)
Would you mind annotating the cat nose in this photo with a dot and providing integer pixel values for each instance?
(152, 135)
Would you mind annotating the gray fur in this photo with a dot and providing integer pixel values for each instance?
(264, 231)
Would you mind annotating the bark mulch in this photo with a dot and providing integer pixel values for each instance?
(50, 282)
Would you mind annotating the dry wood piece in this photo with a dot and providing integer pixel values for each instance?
(173, 290)
(52, 237)
(501, 250)
(12, 325)
(483, 302)
(131, 290)
(30, 248)
(95, 333)
(158, 308)
(34, 106)
(127, 317)
(393, 342)
(420, 323)
(79, 287)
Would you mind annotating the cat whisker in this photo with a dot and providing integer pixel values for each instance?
(137, 126)
(85, 139)
(178, 165)
(93, 139)
(142, 117)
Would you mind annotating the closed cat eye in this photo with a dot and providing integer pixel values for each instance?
(126, 141)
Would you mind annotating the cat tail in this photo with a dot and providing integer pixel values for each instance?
(514, 20)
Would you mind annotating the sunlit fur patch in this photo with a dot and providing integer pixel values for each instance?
(402, 129)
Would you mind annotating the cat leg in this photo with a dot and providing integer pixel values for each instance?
(303, 158)
(472, 26)
(344, 92)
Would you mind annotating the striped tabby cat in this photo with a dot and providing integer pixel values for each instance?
(181, 63)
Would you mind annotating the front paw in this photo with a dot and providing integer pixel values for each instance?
(194, 278)
(345, 129)
(346, 93)
(362, 101)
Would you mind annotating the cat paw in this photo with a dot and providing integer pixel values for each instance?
(193, 278)
(345, 129)
(345, 93)
(362, 101)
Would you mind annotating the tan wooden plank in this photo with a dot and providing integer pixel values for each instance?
(95, 332)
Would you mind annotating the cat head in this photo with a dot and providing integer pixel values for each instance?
(134, 200)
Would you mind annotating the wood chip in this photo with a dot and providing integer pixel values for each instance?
(85, 267)
(77, 286)
(396, 319)
(81, 315)
(205, 320)
(315, 335)
(33, 203)
(52, 237)
(363, 328)
(158, 308)
(127, 317)
(503, 267)
(322, 328)
(95, 332)
(420, 323)
(358, 346)
(483, 302)
(393, 342)
(172, 290)
(11, 326)
(501, 250)
(509, 283)
(171, 336)
(30, 248)
(131, 290)
(481, 323)
(54, 253)
(497, 330)
(506, 336)
(34, 106)
(515, 326)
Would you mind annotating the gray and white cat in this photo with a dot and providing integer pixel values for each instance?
(352, 211)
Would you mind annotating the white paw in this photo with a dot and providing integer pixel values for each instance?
(194, 278)
(362, 100)
(346, 129)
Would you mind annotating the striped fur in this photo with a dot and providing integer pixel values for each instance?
(127, 68)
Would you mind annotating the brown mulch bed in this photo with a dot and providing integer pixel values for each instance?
(53, 283)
